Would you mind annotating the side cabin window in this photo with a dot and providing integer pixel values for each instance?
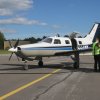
(57, 41)
(80, 42)
(67, 42)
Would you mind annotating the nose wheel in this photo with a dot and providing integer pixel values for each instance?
(25, 67)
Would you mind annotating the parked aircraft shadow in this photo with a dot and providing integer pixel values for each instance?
(66, 66)
(86, 70)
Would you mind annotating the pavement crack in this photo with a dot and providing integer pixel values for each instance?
(38, 96)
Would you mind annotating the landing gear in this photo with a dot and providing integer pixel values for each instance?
(77, 60)
(25, 65)
(76, 65)
(40, 63)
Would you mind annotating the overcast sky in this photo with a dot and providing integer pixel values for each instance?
(27, 18)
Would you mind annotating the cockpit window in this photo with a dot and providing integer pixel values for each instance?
(57, 41)
(47, 40)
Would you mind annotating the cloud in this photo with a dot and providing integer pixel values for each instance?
(7, 30)
(56, 26)
(4, 12)
(21, 21)
(8, 7)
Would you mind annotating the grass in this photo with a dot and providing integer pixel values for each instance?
(4, 52)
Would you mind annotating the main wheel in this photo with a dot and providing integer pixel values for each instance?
(25, 67)
(40, 63)
(76, 65)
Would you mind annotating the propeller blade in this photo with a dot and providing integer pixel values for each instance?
(10, 56)
(17, 57)
(16, 44)
(10, 44)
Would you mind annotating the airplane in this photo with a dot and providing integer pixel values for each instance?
(54, 46)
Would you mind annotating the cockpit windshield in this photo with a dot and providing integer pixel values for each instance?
(47, 40)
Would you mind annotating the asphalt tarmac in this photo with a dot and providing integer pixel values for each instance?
(57, 80)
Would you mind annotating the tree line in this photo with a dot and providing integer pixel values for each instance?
(33, 39)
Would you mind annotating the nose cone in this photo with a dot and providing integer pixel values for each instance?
(13, 50)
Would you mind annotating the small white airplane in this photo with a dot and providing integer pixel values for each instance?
(54, 46)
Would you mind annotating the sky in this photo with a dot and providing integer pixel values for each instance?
(21, 19)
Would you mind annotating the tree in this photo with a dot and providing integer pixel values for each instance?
(38, 39)
(79, 36)
(2, 38)
(66, 36)
(73, 35)
(44, 37)
(32, 39)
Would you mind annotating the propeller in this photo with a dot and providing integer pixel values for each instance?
(10, 44)
(10, 56)
(16, 44)
(13, 49)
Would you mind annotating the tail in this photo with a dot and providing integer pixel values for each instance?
(95, 32)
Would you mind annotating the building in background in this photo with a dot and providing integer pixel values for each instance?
(7, 45)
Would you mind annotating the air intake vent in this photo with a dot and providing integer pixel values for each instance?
(19, 49)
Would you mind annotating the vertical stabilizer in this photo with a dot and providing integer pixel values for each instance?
(95, 32)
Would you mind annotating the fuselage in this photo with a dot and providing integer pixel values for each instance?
(50, 46)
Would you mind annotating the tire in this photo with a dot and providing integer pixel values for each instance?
(40, 63)
(25, 67)
(76, 65)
